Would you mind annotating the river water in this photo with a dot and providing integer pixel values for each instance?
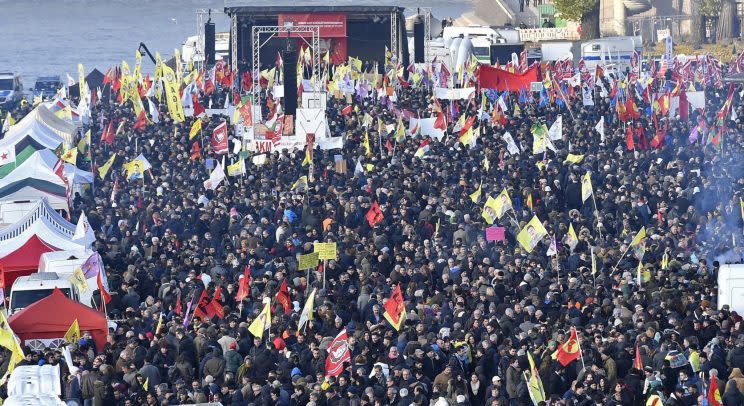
(50, 37)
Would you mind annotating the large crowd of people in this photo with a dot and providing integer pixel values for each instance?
(477, 310)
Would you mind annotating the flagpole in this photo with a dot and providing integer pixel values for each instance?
(581, 352)
(621, 258)
(596, 215)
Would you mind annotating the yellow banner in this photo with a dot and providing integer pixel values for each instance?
(172, 95)
(81, 82)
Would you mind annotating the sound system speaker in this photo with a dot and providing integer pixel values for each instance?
(209, 44)
(290, 80)
(418, 40)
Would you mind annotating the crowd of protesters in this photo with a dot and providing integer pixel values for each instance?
(474, 308)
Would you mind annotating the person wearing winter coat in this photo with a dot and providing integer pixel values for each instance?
(732, 396)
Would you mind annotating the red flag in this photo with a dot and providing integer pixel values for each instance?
(638, 362)
(198, 108)
(714, 394)
(104, 293)
(338, 353)
(629, 139)
(346, 111)
(244, 287)
(208, 88)
(141, 122)
(395, 310)
(108, 134)
(631, 110)
(214, 306)
(282, 296)
(440, 122)
(107, 76)
(374, 215)
(388, 145)
(203, 309)
(246, 114)
(246, 81)
(568, 351)
(219, 139)
(642, 142)
(684, 105)
(177, 309)
(195, 151)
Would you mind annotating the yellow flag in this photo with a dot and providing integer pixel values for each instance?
(103, 170)
(146, 385)
(261, 323)
(665, 261)
(475, 196)
(300, 184)
(638, 237)
(195, 128)
(307, 159)
(73, 333)
(400, 131)
(160, 323)
(236, 169)
(70, 155)
(468, 137)
(534, 383)
(367, 148)
(486, 164)
(741, 207)
(496, 208)
(574, 159)
(84, 142)
(9, 120)
(531, 234)
(9, 340)
(172, 94)
(134, 169)
(586, 186)
(571, 238)
(78, 279)
(307, 311)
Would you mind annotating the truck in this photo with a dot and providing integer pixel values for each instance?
(64, 263)
(615, 53)
(30, 289)
(489, 44)
(11, 90)
(731, 287)
(46, 86)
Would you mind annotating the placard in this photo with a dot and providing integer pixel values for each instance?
(326, 250)
(495, 233)
(308, 261)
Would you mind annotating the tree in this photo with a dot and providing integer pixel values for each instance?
(584, 11)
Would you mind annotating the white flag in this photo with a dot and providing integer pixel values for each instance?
(154, 113)
(7, 155)
(553, 248)
(83, 231)
(586, 96)
(215, 178)
(511, 146)
(556, 130)
(502, 103)
(600, 129)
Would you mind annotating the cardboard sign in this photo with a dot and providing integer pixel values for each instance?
(495, 233)
(325, 250)
(308, 261)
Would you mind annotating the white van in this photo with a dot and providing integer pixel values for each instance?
(30, 289)
(64, 263)
(614, 52)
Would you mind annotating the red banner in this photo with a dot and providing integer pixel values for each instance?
(501, 80)
(332, 25)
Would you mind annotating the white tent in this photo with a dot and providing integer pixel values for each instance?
(35, 179)
(42, 123)
(43, 222)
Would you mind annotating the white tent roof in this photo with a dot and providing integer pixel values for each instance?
(40, 165)
(44, 117)
(77, 175)
(40, 133)
(43, 221)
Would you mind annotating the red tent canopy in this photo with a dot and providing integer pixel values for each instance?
(52, 316)
(23, 261)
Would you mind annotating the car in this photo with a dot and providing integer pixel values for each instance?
(11, 90)
(46, 86)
